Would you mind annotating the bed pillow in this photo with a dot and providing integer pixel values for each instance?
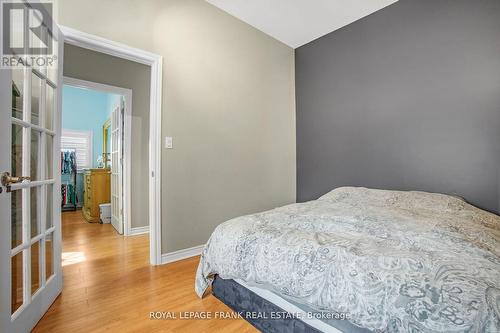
(414, 201)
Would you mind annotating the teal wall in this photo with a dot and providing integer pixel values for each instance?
(86, 110)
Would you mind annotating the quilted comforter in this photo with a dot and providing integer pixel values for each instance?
(393, 261)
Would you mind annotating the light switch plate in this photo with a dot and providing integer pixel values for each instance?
(169, 142)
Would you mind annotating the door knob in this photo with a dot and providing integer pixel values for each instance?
(8, 180)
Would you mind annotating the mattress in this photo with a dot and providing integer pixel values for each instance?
(254, 300)
(394, 261)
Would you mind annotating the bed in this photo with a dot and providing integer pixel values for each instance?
(391, 261)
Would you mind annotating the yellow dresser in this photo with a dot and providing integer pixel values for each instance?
(96, 191)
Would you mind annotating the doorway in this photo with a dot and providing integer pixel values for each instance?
(96, 135)
(150, 171)
(30, 131)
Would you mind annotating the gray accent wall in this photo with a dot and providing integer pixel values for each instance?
(407, 98)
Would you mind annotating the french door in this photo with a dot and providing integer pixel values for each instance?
(117, 169)
(30, 239)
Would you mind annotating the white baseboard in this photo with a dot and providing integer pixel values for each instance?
(139, 230)
(181, 254)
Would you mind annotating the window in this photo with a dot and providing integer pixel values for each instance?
(81, 141)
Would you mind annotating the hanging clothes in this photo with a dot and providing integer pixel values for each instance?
(68, 194)
(63, 194)
(71, 194)
(68, 167)
(68, 161)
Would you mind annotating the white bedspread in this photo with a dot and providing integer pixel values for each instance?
(394, 261)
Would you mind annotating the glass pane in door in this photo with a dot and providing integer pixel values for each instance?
(16, 199)
(49, 222)
(35, 41)
(17, 151)
(49, 255)
(49, 107)
(35, 157)
(17, 93)
(36, 93)
(52, 70)
(49, 146)
(35, 267)
(35, 211)
(17, 282)
(16, 28)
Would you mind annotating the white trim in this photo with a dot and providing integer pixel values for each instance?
(127, 138)
(138, 231)
(103, 45)
(182, 254)
(90, 85)
(37, 128)
(123, 51)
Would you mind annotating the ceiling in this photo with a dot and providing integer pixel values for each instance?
(297, 22)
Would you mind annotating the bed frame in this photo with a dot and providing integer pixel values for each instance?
(240, 299)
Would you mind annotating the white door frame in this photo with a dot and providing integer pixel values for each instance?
(127, 140)
(99, 44)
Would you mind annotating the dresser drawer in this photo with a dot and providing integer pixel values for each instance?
(97, 190)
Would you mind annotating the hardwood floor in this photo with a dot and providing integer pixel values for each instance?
(109, 286)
